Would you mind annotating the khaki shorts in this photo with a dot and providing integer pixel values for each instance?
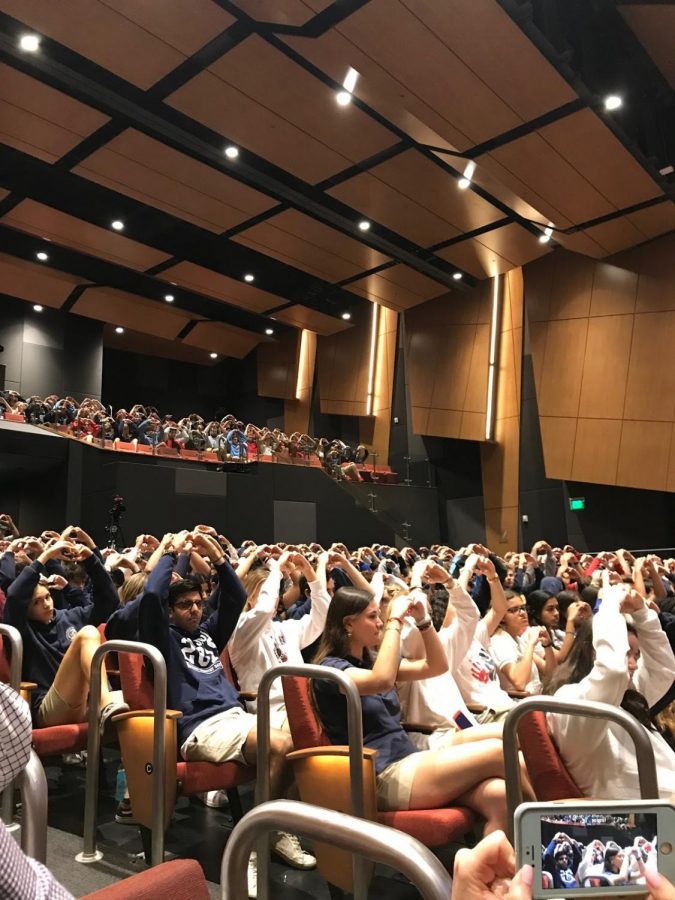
(55, 711)
(220, 738)
(439, 739)
(393, 786)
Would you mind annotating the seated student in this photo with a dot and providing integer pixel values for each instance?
(214, 726)
(260, 640)
(523, 655)
(58, 644)
(628, 666)
(544, 612)
(561, 860)
(470, 774)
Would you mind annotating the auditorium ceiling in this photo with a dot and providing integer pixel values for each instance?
(247, 200)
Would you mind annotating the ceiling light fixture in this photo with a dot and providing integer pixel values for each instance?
(42, 256)
(231, 152)
(346, 316)
(29, 42)
(546, 236)
(213, 355)
(612, 102)
(269, 331)
(364, 225)
(169, 298)
(117, 225)
(344, 97)
(457, 276)
(465, 180)
(119, 330)
(248, 277)
(37, 307)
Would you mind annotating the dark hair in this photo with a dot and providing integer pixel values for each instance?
(610, 853)
(579, 664)
(347, 601)
(184, 586)
(565, 600)
(117, 577)
(536, 601)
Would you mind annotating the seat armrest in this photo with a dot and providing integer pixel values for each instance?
(137, 713)
(248, 695)
(418, 727)
(328, 750)
(518, 695)
(476, 708)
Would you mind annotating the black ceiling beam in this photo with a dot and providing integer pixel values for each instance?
(102, 273)
(617, 214)
(167, 125)
(319, 24)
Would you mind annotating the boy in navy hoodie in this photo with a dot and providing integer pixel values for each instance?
(58, 644)
(214, 726)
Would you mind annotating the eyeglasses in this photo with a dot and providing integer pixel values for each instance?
(185, 605)
(516, 609)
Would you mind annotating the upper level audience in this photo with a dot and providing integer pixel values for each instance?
(228, 439)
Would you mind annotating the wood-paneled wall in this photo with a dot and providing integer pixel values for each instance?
(447, 346)
(297, 409)
(343, 367)
(374, 430)
(278, 366)
(602, 335)
(500, 458)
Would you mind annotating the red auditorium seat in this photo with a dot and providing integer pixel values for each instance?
(322, 774)
(180, 879)
(548, 774)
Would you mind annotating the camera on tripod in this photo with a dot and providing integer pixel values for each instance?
(113, 528)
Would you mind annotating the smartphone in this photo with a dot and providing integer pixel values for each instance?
(594, 848)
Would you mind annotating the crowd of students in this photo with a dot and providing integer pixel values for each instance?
(449, 638)
(228, 439)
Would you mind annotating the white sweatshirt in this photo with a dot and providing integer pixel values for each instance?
(600, 756)
(258, 642)
(478, 675)
(436, 701)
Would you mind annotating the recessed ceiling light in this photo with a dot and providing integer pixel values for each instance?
(42, 256)
(457, 276)
(364, 225)
(465, 180)
(343, 98)
(346, 316)
(269, 331)
(169, 298)
(213, 355)
(546, 236)
(248, 277)
(666, 170)
(119, 330)
(37, 307)
(613, 101)
(232, 152)
(29, 42)
(463, 183)
(117, 225)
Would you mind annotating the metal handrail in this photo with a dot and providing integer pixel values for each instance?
(90, 853)
(355, 738)
(376, 842)
(13, 636)
(644, 751)
(33, 786)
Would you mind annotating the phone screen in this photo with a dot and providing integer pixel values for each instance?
(587, 849)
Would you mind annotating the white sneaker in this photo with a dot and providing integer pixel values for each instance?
(252, 876)
(287, 846)
(214, 799)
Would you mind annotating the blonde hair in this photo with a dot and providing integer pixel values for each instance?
(131, 588)
(252, 581)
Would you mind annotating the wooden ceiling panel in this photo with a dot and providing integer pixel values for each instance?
(35, 282)
(149, 345)
(230, 112)
(488, 41)
(131, 311)
(227, 340)
(206, 281)
(419, 284)
(381, 203)
(654, 26)
(587, 144)
(314, 246)
(580, 242)
(399, 288)
(548, 174)
(112, 40)
(476, 259)
(303, 317)
(53, 225)
(495, 251)
(285, 12)
(616, 235)
(655, 220)
(269, 78)
(425, 183)
(39, 120)
(159, 176)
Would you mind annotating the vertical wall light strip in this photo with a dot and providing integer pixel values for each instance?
(373, 354)
(493, 358)
(302, 365)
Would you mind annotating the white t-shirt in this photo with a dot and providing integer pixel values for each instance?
(507, 649)
(478, 676)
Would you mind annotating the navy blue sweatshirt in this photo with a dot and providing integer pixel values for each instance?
(7, 570)
(44, 646)
(196, 683)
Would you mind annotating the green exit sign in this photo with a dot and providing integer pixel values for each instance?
(577, 503)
